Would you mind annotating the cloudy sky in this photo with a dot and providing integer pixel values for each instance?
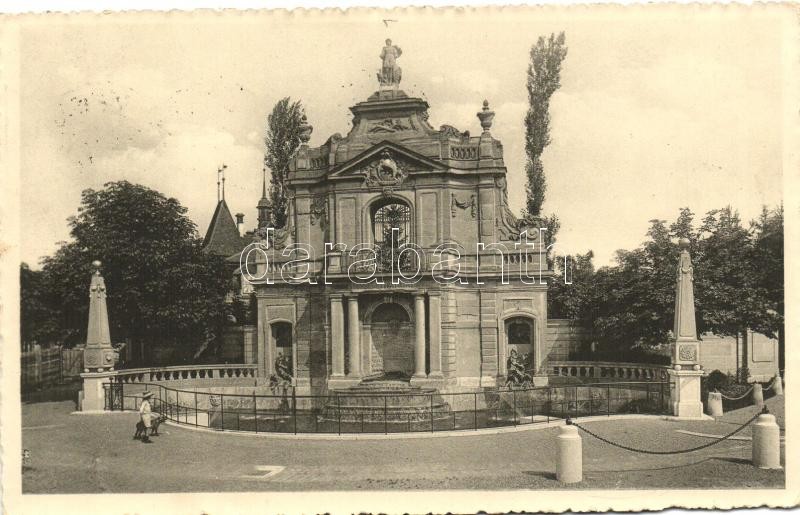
(657, 110)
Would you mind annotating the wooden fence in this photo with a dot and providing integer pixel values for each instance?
(50, 366)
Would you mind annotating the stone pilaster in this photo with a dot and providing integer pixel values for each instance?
(435, 332)
(419, 336)
(449, 316)
(337, 336)
(354, 333)
(488, 332)
(262, 337)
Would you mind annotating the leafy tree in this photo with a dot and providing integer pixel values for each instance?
(727, 299)
(162, 289)
(544, 79)
(282, 141)
(630, 305)
(738, 278)
(38, 318)
(768, 273)
(569, 290)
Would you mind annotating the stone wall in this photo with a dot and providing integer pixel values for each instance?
(728, 353)
(239, 344)
(562, 337)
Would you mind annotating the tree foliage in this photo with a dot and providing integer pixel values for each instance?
(544, 79)
(738, 282)
(162, 289)
(38, 318)
(282, 141)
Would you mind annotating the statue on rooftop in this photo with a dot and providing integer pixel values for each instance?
(390, 74)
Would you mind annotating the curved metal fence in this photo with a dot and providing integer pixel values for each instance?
(283, 411)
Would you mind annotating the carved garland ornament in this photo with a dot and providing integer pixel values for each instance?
(462, 204)
(319, 211)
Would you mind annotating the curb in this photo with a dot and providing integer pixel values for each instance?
(402, 436)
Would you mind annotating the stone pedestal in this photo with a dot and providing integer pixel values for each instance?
(686, 401)
(541, 380)
(94, 398)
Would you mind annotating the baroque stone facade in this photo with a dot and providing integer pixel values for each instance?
(354, 202)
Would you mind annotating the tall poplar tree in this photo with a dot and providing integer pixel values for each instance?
(544, 79)
(282, 141)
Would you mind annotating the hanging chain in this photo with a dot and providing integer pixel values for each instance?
(682, 451)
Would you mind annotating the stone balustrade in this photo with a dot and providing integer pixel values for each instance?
(608, 370)
(151, 375)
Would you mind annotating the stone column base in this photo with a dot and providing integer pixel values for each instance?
(429, 382)
(341, 383)
(94, 398)
(687, 402)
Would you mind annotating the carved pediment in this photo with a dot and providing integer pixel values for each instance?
(384, 164)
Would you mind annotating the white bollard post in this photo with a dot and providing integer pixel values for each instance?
(569, 464)
(766, 442)
(777, 384)
(715, 404)
(758, 395)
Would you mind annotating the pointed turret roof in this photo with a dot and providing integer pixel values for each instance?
(222, 237)
(264, 201)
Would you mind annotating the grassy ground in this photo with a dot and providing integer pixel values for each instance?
(96, 453)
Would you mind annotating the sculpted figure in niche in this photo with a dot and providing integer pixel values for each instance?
(516, 365)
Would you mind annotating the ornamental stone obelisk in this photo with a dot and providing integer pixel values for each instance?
(686, 371)
(98, 356)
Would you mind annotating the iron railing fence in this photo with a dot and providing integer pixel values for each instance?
(345, 413)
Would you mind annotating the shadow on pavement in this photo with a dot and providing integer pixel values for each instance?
(539, 473)
(671, 467)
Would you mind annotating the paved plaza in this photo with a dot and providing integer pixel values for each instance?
(73, 453)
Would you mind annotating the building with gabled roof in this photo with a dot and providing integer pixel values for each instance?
(223, 237)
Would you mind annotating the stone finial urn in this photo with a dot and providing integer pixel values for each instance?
(486, 116)
(305, 130)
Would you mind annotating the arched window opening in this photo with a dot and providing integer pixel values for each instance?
(391, 221)
(391, 229)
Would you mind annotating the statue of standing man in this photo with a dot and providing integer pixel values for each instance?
(390, 73)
